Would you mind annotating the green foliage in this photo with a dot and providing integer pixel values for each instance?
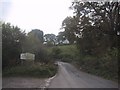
(105, 65)
(102, 16)
(37, 34)
(60, 38)
(66, 53)
(36, 70)
(12, 38)
(93, 42)
(69, 25)
(50, 39)
(34, 44)
(94, 27)
(56, 52)
(16, 42)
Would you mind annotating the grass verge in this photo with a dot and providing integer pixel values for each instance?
(35, 70)
(98, 67)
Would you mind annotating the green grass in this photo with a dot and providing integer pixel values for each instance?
(68, 49)
(35, 70)
(68, 52)
(64, 48)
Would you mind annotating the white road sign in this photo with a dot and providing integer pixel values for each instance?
(27, 56)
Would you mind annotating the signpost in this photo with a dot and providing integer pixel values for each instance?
(27, 57)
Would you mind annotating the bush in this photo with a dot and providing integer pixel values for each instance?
(105, 65)
(41, 71)
(66, 57)
(67, 53)
(55, 53)
(12, 38)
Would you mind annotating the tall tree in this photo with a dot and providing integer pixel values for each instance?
(12, 39)
(50, 39)
(38, 34)
(61, 37)
(69, 25)
(34, 44)
(104, 15)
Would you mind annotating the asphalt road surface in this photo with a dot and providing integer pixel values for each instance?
(69, 77)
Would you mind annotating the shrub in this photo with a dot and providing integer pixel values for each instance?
(56, 53)
(105, 65)
(41, 71)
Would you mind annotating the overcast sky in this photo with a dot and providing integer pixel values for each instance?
(46, 15)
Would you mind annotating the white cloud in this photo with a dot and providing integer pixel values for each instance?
(46, 15)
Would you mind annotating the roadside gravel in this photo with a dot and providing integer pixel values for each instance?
(23, 82)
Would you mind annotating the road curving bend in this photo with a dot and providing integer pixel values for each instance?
(69, 77)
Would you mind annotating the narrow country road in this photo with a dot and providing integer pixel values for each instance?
(69, 77)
